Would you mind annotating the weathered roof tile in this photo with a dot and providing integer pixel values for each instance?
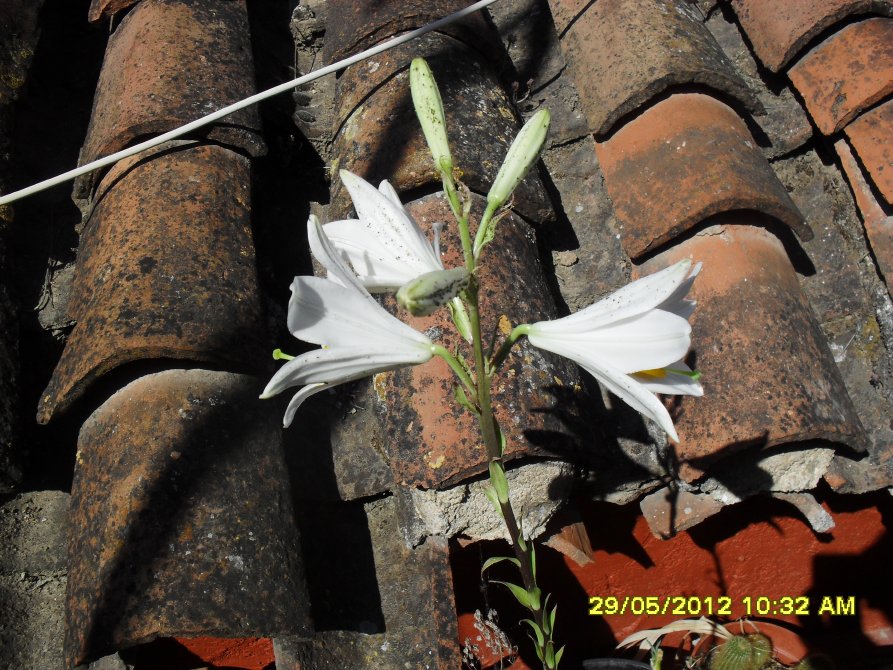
(778, 31)
(848, 72)
(171, 62)
(623, 53)
(177, 281)
(103, 9)
(763, 386)
(378, 135)
(870, 137)
(682, 160)
(181, 516)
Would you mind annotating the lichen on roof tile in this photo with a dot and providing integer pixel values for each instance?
(684, 159)
(870, 137)
(169, 63)
(181, 517)
(778, 31)
(623, 53)
(763, 386)
(174, 281)
(847, 73)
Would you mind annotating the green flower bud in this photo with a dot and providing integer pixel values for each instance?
(424, 294)
(521, 156)
(429, 109)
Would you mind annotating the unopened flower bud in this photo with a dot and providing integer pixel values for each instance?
(521, 156)
(429, 109)
(424, 294)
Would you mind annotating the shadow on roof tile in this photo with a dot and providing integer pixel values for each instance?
(684, 159)
(769, 378)
(182, 518)
(378, 135)
(171, 62)
(533, 395)
(876, 218)
(104, 9)
(779, 30)
(173, 281)
(622, 53)
(870, 136)
(848, 72)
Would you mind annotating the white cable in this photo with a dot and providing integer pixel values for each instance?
(205, 120)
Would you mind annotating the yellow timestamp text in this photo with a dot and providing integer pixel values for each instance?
(746, 606)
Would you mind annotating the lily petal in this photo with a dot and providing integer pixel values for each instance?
(671, 383)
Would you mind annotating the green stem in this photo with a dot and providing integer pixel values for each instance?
(456, 366)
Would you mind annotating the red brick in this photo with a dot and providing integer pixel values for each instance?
(846, 73)
(778, 31)
(683, 160)
(623, 53)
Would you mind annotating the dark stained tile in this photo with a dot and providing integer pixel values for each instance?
(434, 442)
(870, 137)
(174, 281)
(623, 53)
(847, 73)
(181, 518)
(382, 604)
(378, 135)
(171, 62)
(104, 9)
(683, 160)
(763, 388)
(876, 217)
(778, 31)
(364, 23)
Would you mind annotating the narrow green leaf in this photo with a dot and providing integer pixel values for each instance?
(537, 648)
(462, 399)
(460, 318)
(533, 561)
(488, 232)
(490, 562)
(499, 482)
(552, 618)
(535, 595)
(540, 639)
(558, 656)
(550, 657)
(490, 492)
(500, 435)
(519, 592)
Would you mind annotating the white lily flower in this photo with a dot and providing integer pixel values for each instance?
(384, 244)
(359, 337)
(633, 341)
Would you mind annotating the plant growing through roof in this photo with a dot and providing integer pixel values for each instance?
(633, 341)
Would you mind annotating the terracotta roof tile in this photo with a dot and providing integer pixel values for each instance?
(173, 526)
(878, 221)
(377, 134)
(846, 73)
(168, 63)
(177, 281)
(103, 9)
(870, 137)
(684, 159)
(779, 30)
(623, 53)
(671, 511)
(783, 121)
(761, 387)
(360, 25)
(438, 447)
